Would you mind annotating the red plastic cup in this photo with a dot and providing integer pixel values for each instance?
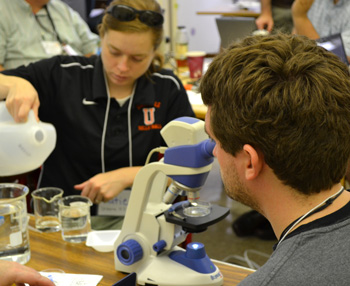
(195, 61)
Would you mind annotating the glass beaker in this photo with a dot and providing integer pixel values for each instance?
(45, 202)
(14, 238)
(74, 215)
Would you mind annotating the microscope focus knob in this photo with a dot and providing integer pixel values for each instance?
(195, 250)
(129, 252)
(159, 245)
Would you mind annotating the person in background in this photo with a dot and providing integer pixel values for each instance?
(14, 273)
(31, 30)
(278, 110)
(321, 18)
(83, 7)
(275, 15)
(108, 110)
(95, 19)
(316, 19)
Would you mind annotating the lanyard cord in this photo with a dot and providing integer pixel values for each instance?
(129, 124)
(52, 24)
(106, 122)
(103, 168)
(316, 209)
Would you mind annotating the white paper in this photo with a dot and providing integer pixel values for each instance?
(195, 98)
(116, 206)
(64, 279)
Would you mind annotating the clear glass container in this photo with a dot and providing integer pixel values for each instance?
(197, 209)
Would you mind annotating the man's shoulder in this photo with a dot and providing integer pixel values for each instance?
(9, 8)
(309, 250)
(61, 10)
(14, 3)
(59, 4)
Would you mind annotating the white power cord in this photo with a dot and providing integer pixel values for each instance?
(159, 150)
(245, 258)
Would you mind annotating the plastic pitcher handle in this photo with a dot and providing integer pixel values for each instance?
(5, 115)
(31, 117)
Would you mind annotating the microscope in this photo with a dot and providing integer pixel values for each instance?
(154, 225)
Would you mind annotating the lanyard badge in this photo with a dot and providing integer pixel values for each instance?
(52, 47)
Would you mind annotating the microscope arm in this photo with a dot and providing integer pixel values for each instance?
(152, 177)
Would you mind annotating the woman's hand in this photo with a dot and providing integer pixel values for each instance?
(264, 21)
(15, 273)
(20, 96)
(105, 186)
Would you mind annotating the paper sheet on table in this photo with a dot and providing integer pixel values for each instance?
(195, 98)
(64, 279)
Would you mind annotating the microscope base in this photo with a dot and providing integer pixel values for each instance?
(163, 271)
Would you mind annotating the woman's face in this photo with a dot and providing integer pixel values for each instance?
(126, 56)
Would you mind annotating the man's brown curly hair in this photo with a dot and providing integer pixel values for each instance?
(289, 99)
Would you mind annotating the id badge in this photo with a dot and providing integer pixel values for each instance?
(69, 50)
(52, 47)
(117, 206)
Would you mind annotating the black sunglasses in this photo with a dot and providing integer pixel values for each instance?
(126, 14)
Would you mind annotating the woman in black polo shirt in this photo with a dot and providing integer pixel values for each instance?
(107, 110)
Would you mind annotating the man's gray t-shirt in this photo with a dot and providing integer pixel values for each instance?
(315, 254)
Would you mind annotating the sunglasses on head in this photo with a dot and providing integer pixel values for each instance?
(126, 14)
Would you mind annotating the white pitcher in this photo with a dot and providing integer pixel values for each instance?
(23, 146)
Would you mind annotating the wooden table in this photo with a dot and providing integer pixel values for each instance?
(230, 11)
(199, 108)
(49, 251)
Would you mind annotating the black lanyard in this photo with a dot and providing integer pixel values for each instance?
(52, 24)
(318, 209)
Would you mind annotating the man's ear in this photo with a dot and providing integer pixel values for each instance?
(253, 162)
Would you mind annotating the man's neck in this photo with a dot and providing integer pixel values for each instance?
(293, 206)
(36, 5)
